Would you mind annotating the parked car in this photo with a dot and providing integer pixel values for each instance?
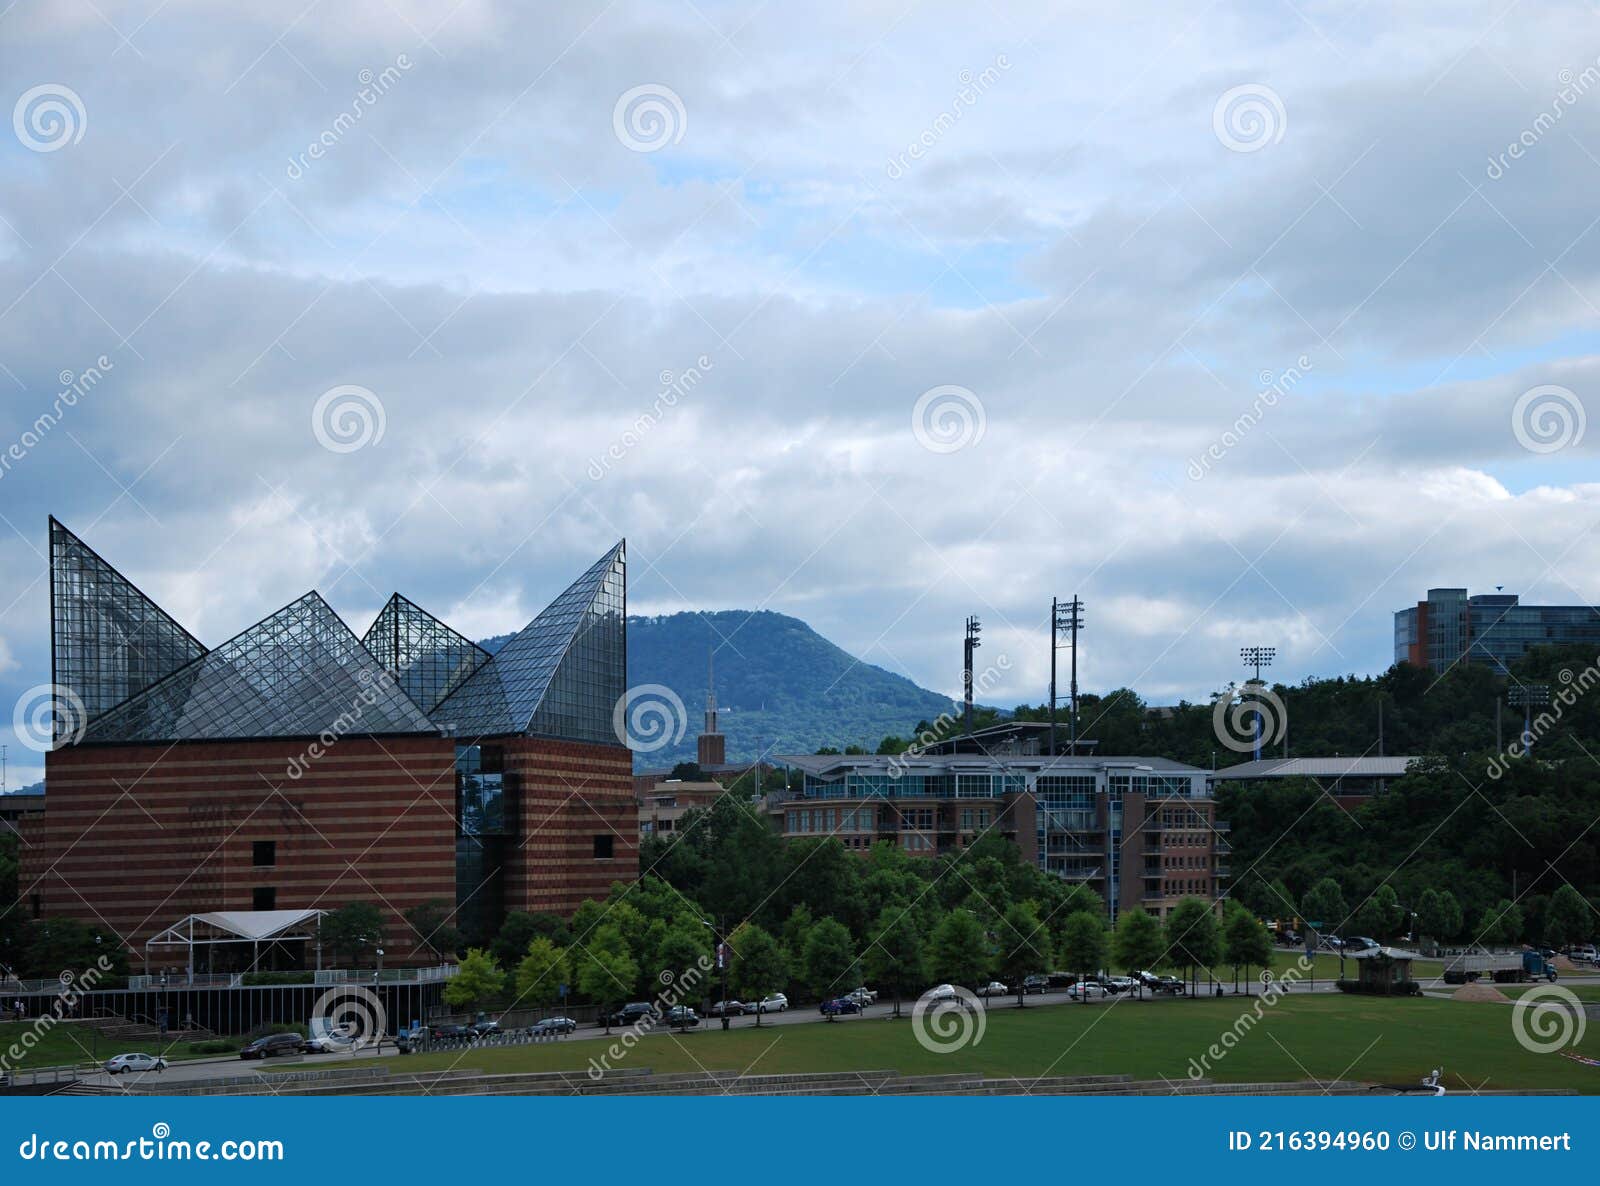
(445, 1033)
(682, 1017)
(839, 1007)
(480, 1028)
(1584, 952)
(123, 1063)
(554, 1025)
(774, 1003)
(1038, 982)
(1086, 990)
(1060, 980)
(1289, 938)
(633, 1013)
(272, 1045)
(726, 1009)
(1120, 983)
(1360, 943)
(330, 1043)
(1164, 984)
(863, 996)
(940, 992)
(993, 989)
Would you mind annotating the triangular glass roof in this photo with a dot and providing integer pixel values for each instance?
(298, 673)
(562, 674)
(108, 640)
(426, 657)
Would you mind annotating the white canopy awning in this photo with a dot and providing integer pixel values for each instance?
(249, 926)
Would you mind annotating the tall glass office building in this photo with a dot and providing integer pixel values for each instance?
(1492, 629)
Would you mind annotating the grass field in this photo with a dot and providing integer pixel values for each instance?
(1321, 1037)
(69, 1043)
(1584, 992)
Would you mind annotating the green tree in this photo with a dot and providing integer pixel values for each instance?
(1137, 945)
(1191, 934)
(1323, 907)
(521, 928)
(353, 932)
(1024, 946)
(432, 929)
(895, 960)
(51, 946)
(828, 957)
(1246, 943)
(1083, 944)
(1568, 919)
(540, 974)
(683, 954)
(1501, 923)
(959, 953)
(1381, 914)
(606, 971)
(1439, 915)
(478, 981)
(759, 966)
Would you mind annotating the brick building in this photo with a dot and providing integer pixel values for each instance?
(298, 766)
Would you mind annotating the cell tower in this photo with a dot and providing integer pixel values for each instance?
(1066, 619)
(972, 644)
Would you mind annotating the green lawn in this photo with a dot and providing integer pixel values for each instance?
(71, 1042)
(1323, 1037)
(1584, 992)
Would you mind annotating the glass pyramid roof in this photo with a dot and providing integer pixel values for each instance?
(562, 674)
(108, 640)
(426, 657)
(298, 673)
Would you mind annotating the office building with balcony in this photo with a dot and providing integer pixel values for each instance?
(1491, 629)
(1138, 831)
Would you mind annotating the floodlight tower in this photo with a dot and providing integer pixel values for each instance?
(1066, 618)
(1528, 697)
(1257, 657)
(972, 644)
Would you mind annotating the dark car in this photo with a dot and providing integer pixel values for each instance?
(681, 1016)
(554, 1025)
(839, 1007)
(1036, 983)
(272, 1046)
(726, 1009)
(479, 1028)
(633, 1013)
(1166, 984)
(446, 1033)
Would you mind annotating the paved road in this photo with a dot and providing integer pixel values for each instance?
(215, 1068)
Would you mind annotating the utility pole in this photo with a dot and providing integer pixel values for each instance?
(1074, 622)
(972, 644)
(1055, 619)
(1257, 657)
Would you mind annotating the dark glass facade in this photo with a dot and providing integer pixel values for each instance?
(1492, 629)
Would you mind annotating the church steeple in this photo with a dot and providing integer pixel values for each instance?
(711, 747)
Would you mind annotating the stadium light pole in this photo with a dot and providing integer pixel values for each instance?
(1257, 657)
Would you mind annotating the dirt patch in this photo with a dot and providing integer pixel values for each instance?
(1562, 964)
(1479, 992)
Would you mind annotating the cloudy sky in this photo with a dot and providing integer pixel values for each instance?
(1222, 316)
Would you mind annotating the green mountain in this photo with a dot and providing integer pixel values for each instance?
(781, 687)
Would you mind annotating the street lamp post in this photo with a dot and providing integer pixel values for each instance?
(724, 958)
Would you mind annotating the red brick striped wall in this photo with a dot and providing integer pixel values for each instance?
(569, 793)
(135, 838)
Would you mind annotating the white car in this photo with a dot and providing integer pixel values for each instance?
(776, 1003)
(1086, 990)
(124, 1063)
(940, 992)
(993, 989)
(862, 996)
